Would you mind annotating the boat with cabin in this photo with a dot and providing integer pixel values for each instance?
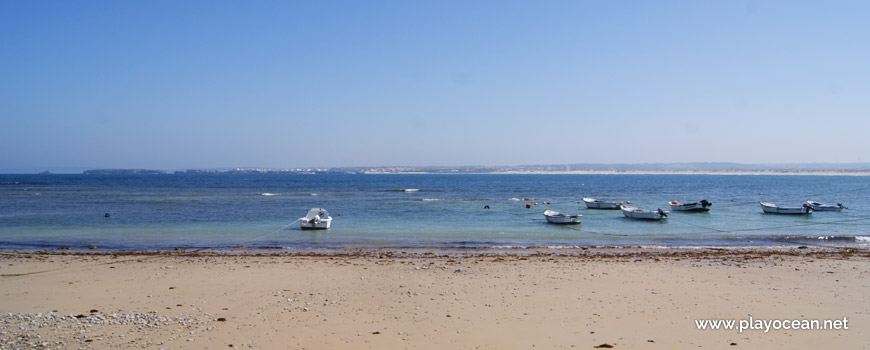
(316, 219)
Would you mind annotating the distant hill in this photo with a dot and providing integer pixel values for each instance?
(700, 167)
(711, 166)
(124, 171)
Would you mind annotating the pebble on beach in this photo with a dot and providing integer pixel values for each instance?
(73, 331)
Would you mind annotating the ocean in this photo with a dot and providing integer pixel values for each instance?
(150, 212)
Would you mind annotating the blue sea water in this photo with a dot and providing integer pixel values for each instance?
(199, 211)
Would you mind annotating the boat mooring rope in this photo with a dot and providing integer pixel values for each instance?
(271, 233)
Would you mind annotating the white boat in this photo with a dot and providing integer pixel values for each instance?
(825, 207)
(555, 217)
(316, 219)
(770, 208)
(703, 205)
(593, 203)
(638, 213)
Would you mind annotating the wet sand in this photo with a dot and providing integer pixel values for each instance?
(628, 298)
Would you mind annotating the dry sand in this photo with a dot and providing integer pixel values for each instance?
(628, 298)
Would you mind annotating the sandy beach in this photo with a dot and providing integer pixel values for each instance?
(627, 298)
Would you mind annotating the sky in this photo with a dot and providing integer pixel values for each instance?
(287, 84)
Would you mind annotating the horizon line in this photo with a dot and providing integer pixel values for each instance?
(816, 166)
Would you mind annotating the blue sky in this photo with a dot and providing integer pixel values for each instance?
(213, 84)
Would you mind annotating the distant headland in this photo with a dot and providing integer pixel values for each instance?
(123, 171)
(861, 169)
(255, 171)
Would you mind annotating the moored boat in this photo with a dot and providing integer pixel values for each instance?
(638, 213)
(825, 207)
(555, 217)
(593, 203)
(702, 205)
(770, 208)
(316, 219)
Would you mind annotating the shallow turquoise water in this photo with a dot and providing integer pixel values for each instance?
(165, 211)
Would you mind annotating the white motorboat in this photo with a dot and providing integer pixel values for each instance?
(638, 213)
(703, 205)
(593, 203)
(316, 219)
(555, 217)
(770, 208)
(825, 207)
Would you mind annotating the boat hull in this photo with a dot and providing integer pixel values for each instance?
(642, 214)
(316, 219)
(823, 207)
(826, 208)
(592, 203)
(701, 206)
(562, 219)
(769, 208)
(315, 225)
(689, 208)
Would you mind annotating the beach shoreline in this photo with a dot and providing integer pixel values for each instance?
(576, 251)
(628, 297)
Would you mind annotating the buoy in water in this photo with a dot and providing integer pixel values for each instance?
(485, 207)
(107, 215)
(528, 205)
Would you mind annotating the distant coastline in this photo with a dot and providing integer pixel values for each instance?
(653, 172)
(829, 169)
(705, 172)
(121, 171)
(506, 170)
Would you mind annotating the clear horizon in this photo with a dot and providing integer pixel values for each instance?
(206, 84)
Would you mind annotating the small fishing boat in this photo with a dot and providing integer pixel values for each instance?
(703, 205)
(770, 208)
(825, 207)
(555, 217)
(316, 219)
(593, 203)
(638, 213)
